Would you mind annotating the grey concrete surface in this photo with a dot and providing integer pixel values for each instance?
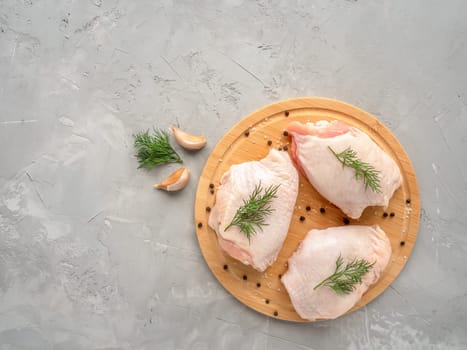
(91, 257)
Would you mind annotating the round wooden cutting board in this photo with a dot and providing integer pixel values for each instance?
(249, 140)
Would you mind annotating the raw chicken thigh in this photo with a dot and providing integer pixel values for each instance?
(338, 184)
(315, 260)
(236, 186)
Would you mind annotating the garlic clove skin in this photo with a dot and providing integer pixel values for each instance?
(188, 141)
(175, 181)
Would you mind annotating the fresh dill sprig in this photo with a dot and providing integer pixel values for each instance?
(363, 170)
(153, 150)
(252, 214)
(344, 279)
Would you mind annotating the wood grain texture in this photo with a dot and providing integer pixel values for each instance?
(247, 141)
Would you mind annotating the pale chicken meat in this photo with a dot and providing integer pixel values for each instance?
(236, 185)
(311, 149)
(315, 260)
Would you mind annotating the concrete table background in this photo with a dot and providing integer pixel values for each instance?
(91, 257)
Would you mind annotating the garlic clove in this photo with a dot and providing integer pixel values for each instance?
(175, 181)
(188, 141)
